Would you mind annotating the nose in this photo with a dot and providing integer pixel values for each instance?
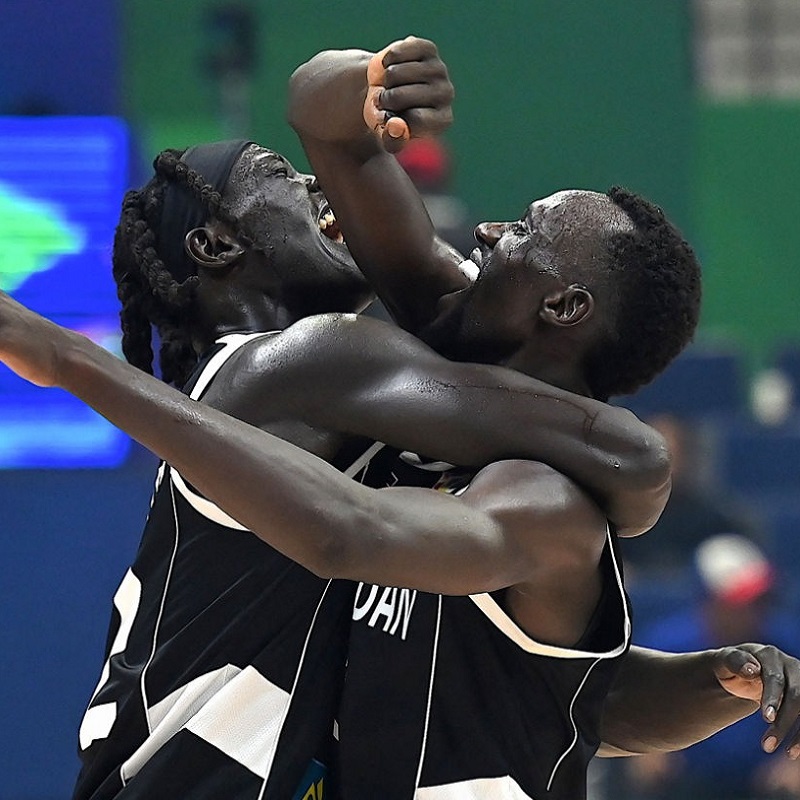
(490, 232)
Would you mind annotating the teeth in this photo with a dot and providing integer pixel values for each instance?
(328, 219)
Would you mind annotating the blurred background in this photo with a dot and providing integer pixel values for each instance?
(694, 103)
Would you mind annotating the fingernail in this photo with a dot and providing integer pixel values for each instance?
(794, 752)
(770, 743)
(770, 714)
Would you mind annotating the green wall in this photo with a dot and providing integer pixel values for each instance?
(549, 95)
(746, 205)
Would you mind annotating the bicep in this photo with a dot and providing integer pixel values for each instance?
(516, 523)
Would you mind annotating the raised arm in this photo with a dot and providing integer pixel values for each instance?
(383, 218)
(390, 234)
(666, 701)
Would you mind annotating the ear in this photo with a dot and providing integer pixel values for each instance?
(567, 307)
(212, 247)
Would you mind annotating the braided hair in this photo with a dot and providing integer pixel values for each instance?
(151, 296)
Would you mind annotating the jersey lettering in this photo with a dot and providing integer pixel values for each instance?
(393, 606)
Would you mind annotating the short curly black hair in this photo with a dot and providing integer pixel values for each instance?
(658, 278)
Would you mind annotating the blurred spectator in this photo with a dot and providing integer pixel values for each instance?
(737, 600)
(427, 162)
(695, 511)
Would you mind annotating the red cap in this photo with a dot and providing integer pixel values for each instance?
(426, 161)
(734, 569)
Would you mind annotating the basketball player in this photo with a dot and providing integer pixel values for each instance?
(310, 335)
(223, 245)
(481, 662)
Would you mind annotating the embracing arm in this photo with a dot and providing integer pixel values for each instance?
(305, 508)
(620, 461)
(360, 376)
(668, 701)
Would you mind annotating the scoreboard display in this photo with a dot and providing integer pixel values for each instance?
(61, 185)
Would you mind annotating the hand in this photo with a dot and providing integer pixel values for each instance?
(27, 342)
(769, 677)
(408, 94)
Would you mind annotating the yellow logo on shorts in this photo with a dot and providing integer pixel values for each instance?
(315, 792)
(312, 787)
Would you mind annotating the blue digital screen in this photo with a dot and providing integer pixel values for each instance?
(61, 185)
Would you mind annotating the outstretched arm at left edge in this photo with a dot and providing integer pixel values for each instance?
(304, 507)
(662, 702)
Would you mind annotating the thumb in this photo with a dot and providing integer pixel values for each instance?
(392, 129)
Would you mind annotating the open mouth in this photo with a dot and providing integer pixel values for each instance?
(329, 226)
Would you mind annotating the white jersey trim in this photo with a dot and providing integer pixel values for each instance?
(233, 342)
(488, 605)
(572, 722)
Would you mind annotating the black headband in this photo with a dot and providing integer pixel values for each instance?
(182, 211)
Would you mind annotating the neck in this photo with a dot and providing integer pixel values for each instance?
(219, 318)
(558, 369)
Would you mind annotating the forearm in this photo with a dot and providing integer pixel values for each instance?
(222, 457)
(383, 218)
(665, 702)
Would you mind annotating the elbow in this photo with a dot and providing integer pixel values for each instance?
(648, 464)
(300, 84)
(644, 479)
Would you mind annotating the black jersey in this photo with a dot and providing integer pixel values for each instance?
(446, 698)
(224, 660)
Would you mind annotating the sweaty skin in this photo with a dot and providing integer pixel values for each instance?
(416, 275)
(661, 701)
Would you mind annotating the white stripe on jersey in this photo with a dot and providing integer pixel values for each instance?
(572, 722)
(245, 720)
(430, 691)
(506, 625)
(232, 342)
(202, 506)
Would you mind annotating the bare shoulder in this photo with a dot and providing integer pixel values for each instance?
(557, 535)
(535, 489)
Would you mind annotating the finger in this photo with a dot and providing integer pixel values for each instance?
(735, 662)
(433, 71)
(773, 678)
(395, 134)
(427, 122)
(376, 68)
(424, 95)
(784, 729)
(412, 48)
